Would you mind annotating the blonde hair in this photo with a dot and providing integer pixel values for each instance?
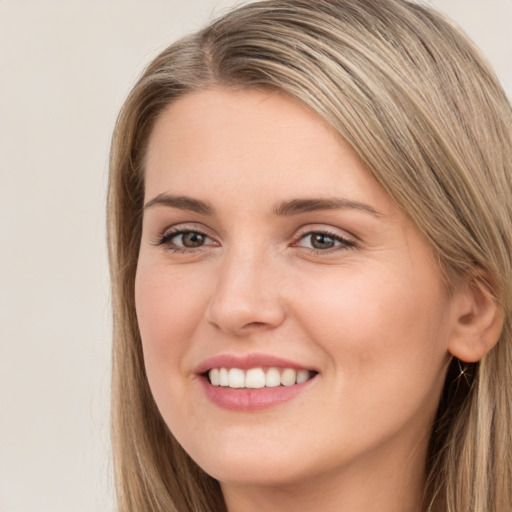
(428, 117)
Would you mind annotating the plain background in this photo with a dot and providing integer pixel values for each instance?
(65, 68)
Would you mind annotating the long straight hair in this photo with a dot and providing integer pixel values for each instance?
(427, 116)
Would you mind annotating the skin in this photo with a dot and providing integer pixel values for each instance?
(372, 316)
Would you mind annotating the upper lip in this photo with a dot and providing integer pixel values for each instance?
(247, 361)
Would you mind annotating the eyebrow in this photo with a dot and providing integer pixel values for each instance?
(297, 206)
(284, 209)
(182, 203)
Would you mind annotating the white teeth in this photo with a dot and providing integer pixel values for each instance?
(224, 377)
(215, 376)
(288, 377)
(256, 378)
(236, 378)
(302, 376)
(272, 378)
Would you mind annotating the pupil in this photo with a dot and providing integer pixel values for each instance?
(193, 239)
(320, 241)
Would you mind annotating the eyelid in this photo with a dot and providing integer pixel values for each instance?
(344, 239)
(326, 229)
(164, 239)
(181, 227)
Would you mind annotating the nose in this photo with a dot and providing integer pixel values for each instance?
(246, 297)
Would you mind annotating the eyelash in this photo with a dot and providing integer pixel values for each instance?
(166, 240)
(344, 244)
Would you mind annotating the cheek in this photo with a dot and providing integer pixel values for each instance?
(376, 329)
(169, 307)
(386, 360)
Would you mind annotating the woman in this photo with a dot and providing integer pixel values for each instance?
(309, 218)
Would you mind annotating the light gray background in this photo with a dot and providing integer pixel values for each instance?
(65, 68)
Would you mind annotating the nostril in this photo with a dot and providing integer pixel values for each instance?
(255, 325)
(239, 310)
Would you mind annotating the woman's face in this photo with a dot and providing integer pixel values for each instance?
(270, 255)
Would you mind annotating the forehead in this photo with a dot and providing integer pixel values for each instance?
(214, 142)
(237, 123)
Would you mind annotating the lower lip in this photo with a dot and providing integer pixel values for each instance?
(251, 399)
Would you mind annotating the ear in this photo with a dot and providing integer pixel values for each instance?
(479, 320)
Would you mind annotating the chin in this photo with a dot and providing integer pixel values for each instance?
(261, 474)
(256, 464)
(260, 465)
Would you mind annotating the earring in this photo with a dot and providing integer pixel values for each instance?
(464, 372)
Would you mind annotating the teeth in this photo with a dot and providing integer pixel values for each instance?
(215, 376)
(272, 378)
(236, 378)
(302, 376)
(288, 377)
(224, 377)
(256, 378)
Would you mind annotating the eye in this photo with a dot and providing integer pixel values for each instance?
(184, 240)
(324, 241)
(189, 239)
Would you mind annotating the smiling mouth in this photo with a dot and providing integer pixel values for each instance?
(257, 378)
